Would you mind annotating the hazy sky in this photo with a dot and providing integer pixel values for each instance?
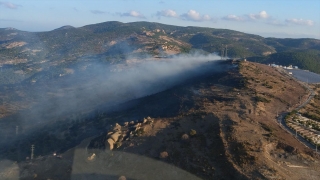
(269, 18)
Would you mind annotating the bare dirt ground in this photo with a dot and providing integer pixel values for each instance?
(226, 129)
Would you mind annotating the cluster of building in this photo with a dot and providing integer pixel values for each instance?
(284, 67)
(305, 127)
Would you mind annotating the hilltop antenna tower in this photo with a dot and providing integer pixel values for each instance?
(32, 151)
(226, 51)
(222, 51)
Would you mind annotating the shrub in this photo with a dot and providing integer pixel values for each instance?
(265, 127)
(311, 116)
(185, 137)
(164, 154)
(118, 144)
(262, 99)
(193, 132)
(139, 132)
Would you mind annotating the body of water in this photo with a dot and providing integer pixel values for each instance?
(305, 76)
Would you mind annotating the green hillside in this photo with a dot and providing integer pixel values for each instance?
(293, 44)
(113, 42)
(304, 59)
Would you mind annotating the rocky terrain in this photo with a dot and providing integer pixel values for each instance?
(224, 127)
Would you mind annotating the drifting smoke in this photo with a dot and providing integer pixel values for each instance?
(111, 84)
(98, 85)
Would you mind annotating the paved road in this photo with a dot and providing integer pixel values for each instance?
(312, 94)
(282, 121)
(293, 133)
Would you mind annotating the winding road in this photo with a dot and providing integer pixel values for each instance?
(282, 122)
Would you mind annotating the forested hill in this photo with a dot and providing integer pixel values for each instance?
(305, 59)
(28, 53)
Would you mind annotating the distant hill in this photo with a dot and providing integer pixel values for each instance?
(65, 27)
(305, 59)
(293, 44)
(113, 42)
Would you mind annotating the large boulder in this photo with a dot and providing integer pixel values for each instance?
(110, 144)
(117, 127)
(115, 136)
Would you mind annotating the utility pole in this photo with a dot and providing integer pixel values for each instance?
(32, 150)
(316, 142)
(315, 139)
